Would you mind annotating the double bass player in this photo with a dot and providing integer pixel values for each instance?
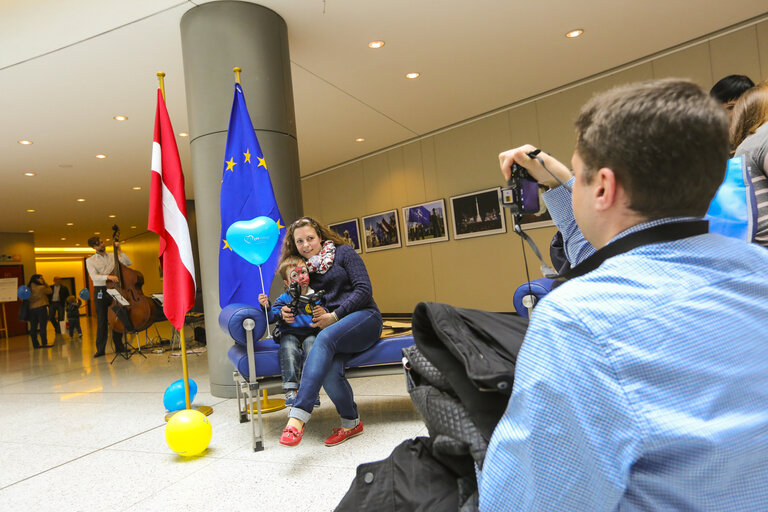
(101, 267)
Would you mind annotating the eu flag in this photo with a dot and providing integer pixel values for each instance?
(246, 193)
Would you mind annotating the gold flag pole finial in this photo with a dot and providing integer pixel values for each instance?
(160, 78)
(237, 74)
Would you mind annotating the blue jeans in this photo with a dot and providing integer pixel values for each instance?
(324, 366)
(291, 355)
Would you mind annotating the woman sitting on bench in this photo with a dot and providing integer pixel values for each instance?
(351, 325)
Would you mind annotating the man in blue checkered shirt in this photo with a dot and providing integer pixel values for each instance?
(642, 384)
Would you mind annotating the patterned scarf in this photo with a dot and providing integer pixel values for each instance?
(322, 261)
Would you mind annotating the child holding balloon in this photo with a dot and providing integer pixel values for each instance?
(295, 331)
(73, 316)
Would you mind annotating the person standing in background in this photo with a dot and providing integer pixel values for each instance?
(38, 310)
(58, 299)
(101, 267)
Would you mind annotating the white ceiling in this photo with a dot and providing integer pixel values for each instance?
(67, 67)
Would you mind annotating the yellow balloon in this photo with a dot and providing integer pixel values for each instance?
(188, 432)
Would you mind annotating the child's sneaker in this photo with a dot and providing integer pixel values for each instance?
(290, 397)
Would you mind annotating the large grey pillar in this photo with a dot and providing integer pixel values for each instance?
(215, 37)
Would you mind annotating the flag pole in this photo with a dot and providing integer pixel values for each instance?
(161, 79)
(207, 410)
(266, 312)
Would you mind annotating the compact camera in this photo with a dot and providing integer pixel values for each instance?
(303, 303)
(521, 195)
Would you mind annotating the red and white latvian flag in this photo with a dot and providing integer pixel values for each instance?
(168, 218)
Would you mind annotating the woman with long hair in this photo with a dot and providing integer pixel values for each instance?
(351, 324)
(749, 135)
(38, 310)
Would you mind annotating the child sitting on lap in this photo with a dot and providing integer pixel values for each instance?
(73, 316)
(295, 335)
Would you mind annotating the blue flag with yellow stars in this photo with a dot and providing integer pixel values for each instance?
(246, 193)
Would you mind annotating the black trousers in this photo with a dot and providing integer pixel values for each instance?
(102, 302)
(38, 324)
(57, 315)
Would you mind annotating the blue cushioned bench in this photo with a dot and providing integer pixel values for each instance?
(259, 358)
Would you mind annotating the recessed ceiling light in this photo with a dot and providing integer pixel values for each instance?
(183, 134)
(97, 232)
(133, 227)
(574, 33)
(30, 231)
(101, 156)
(112, 216)
(30, 211)
(29, 174)
(63, 238)
(136, 188)
(81, 200)
(413, 75)
(70, 223)
(359, 139)
(77, 245)
(25, 142)
(107, 240)
(120, 118)
(375, 44)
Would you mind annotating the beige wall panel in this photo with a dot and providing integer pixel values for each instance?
(377, 180)
(398, 180)
(413, 175)
(343, 193)
(467, 156)
(523, 126)
(558, 112)
(310, 196)
(735, 53)
(401, 278)
(762, 49)
(429, 169)
(692, 63)
(477, 272)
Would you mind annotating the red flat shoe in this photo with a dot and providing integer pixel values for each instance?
(340, 434)
(291, 436)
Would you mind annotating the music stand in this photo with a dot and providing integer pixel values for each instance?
(122, 315)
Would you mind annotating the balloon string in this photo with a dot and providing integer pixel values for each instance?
(266, 313)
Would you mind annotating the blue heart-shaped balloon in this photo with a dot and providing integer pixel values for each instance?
(253, 240)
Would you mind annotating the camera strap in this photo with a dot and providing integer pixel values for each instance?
(546, 270)
(657, 234)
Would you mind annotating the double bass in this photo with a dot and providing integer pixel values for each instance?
(141, 311)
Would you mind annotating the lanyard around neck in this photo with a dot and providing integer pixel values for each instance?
(657, 234)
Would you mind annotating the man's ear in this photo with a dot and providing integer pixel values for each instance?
(605, 191)
(286, 283)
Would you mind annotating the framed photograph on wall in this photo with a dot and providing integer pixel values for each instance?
(381, 231)
(478, 214)
(425, 223)
(533, 220)
(349, 230)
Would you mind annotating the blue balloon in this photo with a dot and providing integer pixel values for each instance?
(24, 292)
(253, 240)
(173, 398)
(85, 294)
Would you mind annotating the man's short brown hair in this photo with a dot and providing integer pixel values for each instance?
(665, 140)
(94, 241)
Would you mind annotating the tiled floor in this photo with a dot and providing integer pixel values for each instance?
(77, 433)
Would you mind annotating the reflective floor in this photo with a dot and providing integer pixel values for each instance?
(78, 433)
